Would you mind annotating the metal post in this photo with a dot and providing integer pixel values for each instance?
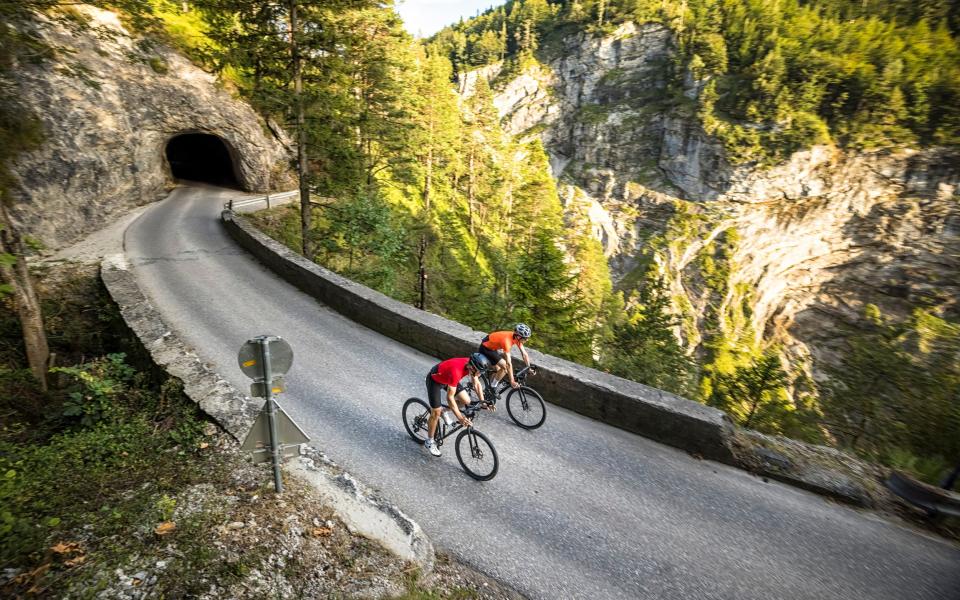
(951, 479)
(268, 201)
(271, 412)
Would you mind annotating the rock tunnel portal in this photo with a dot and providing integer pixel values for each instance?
(201, 157)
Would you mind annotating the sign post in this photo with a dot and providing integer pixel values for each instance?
(271, 414)
(264, 359)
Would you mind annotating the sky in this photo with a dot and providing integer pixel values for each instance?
(423, 18)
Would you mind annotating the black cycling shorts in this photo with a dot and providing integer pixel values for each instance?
(437, 392)
(494, 356)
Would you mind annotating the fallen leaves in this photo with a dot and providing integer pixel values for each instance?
(321, 531)
(165, 528)
(65, 548)
(76, 562)
(33, 575)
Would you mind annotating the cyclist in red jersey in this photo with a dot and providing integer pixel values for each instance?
(446, 376)
(496, 347)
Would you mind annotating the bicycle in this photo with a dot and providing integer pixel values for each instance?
(524, 404)
(475, 451)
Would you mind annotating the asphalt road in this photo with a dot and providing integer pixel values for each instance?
(579, 509)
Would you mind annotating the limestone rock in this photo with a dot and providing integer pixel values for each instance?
(109, 101)
(820, 235)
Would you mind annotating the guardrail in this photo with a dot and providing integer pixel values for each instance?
(933, 500)
(268, 200)
(625, 404)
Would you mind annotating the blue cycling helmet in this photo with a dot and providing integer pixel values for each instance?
(479, 362)
(522, 330)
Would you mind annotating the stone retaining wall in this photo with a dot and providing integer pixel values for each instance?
(626, 404)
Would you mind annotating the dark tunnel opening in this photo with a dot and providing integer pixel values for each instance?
(201, 157)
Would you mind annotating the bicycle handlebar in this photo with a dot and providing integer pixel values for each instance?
(523, 372)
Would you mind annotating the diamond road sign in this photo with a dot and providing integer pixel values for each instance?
(281, 357)
(258, 439)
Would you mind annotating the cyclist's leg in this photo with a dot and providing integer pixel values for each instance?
(495, 357)
(463, 395)
(501, 371)
(434, 394)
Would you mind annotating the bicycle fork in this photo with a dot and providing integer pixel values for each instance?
(475, 451)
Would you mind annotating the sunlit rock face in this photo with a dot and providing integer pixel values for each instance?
(818, 236)
(109, 103)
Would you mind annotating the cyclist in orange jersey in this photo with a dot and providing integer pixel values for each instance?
(496, 347)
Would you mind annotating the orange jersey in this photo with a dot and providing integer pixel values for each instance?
(500, 340)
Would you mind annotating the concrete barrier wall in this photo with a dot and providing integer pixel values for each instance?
(622, 403)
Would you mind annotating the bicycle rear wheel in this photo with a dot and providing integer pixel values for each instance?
(525, 406)
(416, 417)
(477, 455)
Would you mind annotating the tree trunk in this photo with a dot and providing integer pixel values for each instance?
(428, 183)
(303, 165)
(753, 409)
(470, 193)
(25, 301)
(422, 273)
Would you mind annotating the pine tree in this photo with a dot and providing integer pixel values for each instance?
(644, 346)
(754, 393)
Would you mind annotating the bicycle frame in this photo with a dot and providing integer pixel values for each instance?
(442, 433)
(490, 394)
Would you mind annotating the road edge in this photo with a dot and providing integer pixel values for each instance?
(364, 511)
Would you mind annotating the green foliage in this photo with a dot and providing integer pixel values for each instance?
(117, 432)
(165, 507)
(930, 469)
(363, 239)
(894, 394)
(644, 347)
(777, 76)
(97, 386)
(159, 65)
(755, 394)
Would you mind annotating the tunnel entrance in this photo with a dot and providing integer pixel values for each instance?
(201, 157)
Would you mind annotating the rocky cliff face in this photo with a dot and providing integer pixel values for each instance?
(787, 254)
(109, 103)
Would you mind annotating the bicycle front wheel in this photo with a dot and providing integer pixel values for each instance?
(525, 406)
(477, 455)
(416, 418)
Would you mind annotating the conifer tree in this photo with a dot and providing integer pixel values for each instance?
(644, 346)
(754, 393)
(436, 143)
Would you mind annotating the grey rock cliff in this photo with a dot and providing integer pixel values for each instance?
(109, 102)
(816, 238)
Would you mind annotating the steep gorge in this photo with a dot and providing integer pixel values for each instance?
(787, 255)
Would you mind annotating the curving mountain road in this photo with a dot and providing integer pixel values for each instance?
(578, 510)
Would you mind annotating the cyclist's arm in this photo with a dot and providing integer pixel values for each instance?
(526, 357)
(475, 380)
(509, 357)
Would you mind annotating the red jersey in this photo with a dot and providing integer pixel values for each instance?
(451, 371)
(500, 340)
